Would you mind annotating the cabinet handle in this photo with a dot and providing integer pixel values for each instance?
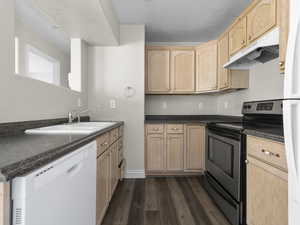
(270, 153)
(281, 64)
(174, 128)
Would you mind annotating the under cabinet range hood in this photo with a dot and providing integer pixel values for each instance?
(261, 51)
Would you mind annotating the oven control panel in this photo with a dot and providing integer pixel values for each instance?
(263, 107)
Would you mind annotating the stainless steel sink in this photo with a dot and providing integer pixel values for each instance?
(73, 128)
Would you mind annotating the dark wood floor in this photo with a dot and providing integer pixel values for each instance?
(162, 201)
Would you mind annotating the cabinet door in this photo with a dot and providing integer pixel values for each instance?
(283, 10)
(206, 67)
(267, 194)
(158, 71)
(183, 71)
(223, 57)
(195, 147)
(261, 19)
(102, 191)
(238, 36)
(175, 152)
(155, 152)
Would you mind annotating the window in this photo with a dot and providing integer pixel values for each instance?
(42, 67)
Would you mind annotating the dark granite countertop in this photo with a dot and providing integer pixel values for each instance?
(23, 153)
(191, 119)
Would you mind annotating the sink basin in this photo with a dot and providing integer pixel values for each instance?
(73, 128)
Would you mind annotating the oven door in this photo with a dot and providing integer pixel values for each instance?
(223, 159)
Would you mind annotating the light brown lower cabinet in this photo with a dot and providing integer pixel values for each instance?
(175, 152)
(195, 147)
(108, 171)
(102, 186)
(155, 152)
(174, 148)
(267, 185)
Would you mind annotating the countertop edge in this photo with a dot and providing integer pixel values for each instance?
(30, 164)
(260, 134)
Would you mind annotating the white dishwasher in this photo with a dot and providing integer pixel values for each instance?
(61, 193)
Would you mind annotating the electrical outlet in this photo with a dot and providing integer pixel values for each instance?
(112, 104)
(79, 104)
(226, 104)
(200, 105)
(165, 105)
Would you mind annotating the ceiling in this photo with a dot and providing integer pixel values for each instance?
(180, 20)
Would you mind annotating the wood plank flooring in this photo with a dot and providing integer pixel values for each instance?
(162, 201)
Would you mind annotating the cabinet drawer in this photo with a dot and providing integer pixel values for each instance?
(102, 143)
(114, 135)
(269, 151)
(155, 128)
(175, 128)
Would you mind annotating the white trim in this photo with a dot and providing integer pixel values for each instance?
(135, 174)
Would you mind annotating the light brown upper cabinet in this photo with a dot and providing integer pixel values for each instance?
(195, 147)
(207, 67)
(283, 13)
(261, 19)
(183, 71)
(238, 36)
(158, 71)
(229, 79)
(223, 57)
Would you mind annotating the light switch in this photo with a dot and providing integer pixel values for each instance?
(112, 104)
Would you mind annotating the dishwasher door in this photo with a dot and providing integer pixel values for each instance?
(61, 193)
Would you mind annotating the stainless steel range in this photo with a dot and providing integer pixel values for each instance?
(225, 176)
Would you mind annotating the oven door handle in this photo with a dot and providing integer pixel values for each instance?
(221, 192)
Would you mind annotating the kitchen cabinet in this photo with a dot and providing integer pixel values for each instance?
(261, 18)
(158, 71)
(5, 203)
(195, 147)
(109, 154)
(283, 13)
(175, 152)
(183, 71)
(102, 186)
(238, 36)
(267, 186)
(207, 67)
(174, 149)
(155, 152)
(229, 79)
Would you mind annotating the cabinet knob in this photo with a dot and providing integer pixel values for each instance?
(243, 42)
(247, 161)
(281, 64)
(250, 37)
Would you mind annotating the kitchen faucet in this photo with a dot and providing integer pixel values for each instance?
(71, 115)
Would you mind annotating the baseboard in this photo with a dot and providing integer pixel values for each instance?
(135, 174)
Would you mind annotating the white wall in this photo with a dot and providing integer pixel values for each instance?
(26, 99)
(111, 69)
(266, 82)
